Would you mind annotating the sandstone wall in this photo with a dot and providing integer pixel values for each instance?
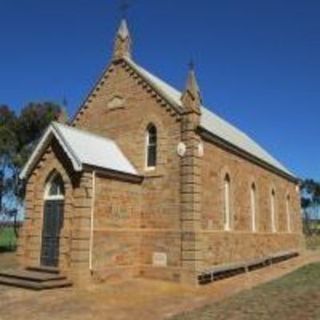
(121, 108)
(117, 219)
(241, 243)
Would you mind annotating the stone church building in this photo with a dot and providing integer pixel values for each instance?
(145, 181)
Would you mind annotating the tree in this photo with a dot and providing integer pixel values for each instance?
(8, 144)
(18, 137)
(310, 203)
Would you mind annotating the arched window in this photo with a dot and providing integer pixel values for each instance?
(227, 211)
(55, 188)
(288, 213)
(253, 207)
(151, 147)
(273, 211)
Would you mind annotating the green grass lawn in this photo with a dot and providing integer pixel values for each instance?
(295, 297)
(7, 239)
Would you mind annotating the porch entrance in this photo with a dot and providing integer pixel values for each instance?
(53, 216)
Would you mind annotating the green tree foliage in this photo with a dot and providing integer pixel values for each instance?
(8, 146)
(18, 137)
(310, 193)
(31, 123)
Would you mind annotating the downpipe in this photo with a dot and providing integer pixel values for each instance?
(92, 221)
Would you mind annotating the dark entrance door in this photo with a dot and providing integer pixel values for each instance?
(52, 224)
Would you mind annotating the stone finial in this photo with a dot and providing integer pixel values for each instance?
(122, 47)
(191, 97)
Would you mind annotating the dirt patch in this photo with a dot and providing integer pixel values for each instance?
(8, 260)
(134, 299)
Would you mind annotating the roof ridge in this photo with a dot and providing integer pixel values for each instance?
(152, 79)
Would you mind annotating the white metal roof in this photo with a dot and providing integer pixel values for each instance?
(211, 122)
(82, 148)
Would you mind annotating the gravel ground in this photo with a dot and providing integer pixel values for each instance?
(134, 299)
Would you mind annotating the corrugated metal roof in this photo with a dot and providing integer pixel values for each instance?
(221, 128)
(95, 150)
(213, 123)
(82, 148)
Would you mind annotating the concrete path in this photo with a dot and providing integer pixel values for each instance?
(134, 299)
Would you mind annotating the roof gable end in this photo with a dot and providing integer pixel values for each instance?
(42, 145)
(145, 79)
(82, 148)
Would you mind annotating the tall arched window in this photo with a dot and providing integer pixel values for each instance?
(273, 211)
(253, 207)
(151, 147)
(288, 213)
(227, 211)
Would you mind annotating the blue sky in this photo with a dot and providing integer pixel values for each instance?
(257, 61)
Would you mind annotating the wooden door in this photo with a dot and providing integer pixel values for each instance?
(52, 225)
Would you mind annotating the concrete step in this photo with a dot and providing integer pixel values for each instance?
(31, 275)
(34, 279)
(33, 285)
(44, 269)
(19, 283)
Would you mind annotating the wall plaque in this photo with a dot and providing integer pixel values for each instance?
(159, 259)
(116, 102)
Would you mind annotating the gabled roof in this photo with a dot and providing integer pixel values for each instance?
(82, 148)
(211, 122)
